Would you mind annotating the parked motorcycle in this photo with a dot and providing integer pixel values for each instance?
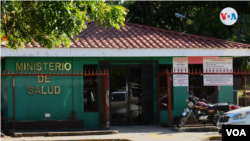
(203, 110)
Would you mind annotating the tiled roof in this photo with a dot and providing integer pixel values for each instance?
(140, 36)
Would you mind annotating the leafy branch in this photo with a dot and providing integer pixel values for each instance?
(54, 23)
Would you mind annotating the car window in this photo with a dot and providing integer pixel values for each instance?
(118, 97)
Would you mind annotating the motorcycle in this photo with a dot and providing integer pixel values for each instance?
(204, 111)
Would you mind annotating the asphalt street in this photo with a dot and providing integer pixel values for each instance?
(153, 132)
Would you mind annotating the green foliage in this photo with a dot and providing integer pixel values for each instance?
(242, 29)
(208, 23)
(53, 23)
(205, 15)
(245, 63)
(241, 91)
(113, 2)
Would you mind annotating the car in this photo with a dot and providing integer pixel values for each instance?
(136, 110)
(119, 106)
(235, 117)
(121, 116)
(119, 98)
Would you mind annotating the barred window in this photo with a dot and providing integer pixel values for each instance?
(90, 90)
(210, 93)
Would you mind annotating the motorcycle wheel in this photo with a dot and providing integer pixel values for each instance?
(215, 118)
(182, 121)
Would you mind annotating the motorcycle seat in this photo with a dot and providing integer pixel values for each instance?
(219, 106)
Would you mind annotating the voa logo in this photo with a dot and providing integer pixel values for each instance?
(236, 132)
(228, 16)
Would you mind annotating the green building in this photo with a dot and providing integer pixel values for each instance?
(133, 56)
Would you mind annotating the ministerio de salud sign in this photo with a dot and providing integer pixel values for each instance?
(46, 65)
(51, 66)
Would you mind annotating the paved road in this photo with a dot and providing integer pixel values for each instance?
(151, 133)
(136, 133)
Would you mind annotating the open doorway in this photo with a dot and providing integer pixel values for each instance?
(126, 93)
(132, 92)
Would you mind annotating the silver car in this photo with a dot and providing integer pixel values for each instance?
(235, 117)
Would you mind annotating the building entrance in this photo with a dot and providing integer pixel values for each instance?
(126, 94)
(132, 92)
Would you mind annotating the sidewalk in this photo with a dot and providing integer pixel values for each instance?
(62, 133)
(132, 133)
(70, 138)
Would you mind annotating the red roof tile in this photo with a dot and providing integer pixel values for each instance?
(140, 36)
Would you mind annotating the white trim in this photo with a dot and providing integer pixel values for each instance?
(106, 52)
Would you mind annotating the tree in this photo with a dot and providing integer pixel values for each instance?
(53, 23)
(205, 15)
(242, 29)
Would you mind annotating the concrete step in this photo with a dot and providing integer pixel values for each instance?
(62, 133)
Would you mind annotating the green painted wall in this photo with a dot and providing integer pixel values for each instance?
(180, 94)
(91, 119)
(33, 106)
(164, 117)
(9, 66)
(95, 60)
(164, 60)
(161, 60)
(225, 94)
(77, 96)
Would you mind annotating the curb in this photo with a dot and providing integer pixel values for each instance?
(51, 134)
(213, 138)
(91, 140)
(210, 129)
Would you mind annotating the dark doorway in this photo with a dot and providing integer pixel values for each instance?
(133, 95)
(125, 83)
